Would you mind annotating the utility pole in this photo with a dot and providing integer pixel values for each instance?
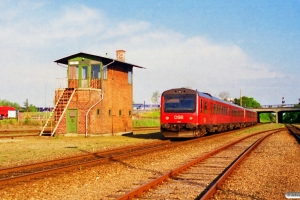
(241, 103)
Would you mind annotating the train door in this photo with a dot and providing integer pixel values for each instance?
(211, 113)
(72, 118)
(200, 112)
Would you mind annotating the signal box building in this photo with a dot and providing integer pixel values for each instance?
(98, 97)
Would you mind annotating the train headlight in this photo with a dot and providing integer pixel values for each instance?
(191, 118)
(167, 118)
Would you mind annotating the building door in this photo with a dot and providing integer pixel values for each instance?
(72, 115)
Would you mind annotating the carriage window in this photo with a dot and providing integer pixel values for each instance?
(205, 107)
(200, 105)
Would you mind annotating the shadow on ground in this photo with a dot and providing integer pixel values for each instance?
(154, 135)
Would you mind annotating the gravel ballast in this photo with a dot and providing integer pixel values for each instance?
(269, 172)
(107, 179)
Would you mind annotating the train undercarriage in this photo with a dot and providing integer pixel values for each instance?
(192, 131)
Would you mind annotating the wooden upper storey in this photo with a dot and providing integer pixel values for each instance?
(89, 71)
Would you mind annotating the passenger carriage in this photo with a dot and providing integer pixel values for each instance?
(188, 113)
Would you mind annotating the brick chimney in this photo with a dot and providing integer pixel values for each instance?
(121, 55)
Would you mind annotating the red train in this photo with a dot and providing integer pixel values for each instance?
(187, 113)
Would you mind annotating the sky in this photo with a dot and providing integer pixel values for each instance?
(246, 47)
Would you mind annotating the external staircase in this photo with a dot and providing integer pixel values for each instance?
(58, 111)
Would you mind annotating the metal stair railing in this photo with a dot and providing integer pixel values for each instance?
(61, 116)
(60, 96)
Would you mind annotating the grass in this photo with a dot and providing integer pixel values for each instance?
(147, 118)
(145, 122)
(14, 124)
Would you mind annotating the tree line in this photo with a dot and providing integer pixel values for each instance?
(26, 108)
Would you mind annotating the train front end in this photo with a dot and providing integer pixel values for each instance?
(178, 116)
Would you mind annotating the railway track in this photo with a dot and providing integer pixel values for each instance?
(34, 170)
(24, 172)
(294, 130)
(199, 178)
(25, 133)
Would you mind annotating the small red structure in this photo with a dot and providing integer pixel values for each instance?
(4, 111)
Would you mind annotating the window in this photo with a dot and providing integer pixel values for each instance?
(98, 112)
(73, 72)
(120, 112)
(84, 72)
(95, 73)
(205, 107)
(109, 112)
(105, 73)
(129, 112)
(130, 76)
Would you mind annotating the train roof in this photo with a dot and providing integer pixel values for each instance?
(207, 95)
(202, 94)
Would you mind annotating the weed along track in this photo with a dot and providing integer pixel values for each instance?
(200, 177)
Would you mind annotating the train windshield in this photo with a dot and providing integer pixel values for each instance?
(180, 103)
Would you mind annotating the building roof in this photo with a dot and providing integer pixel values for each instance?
(7, 108)
(104, 60)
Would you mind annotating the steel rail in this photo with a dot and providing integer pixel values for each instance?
(76, 166)
(105, 156)
(14, 136)
(86, 163)
(19, 132)
(294, 130)
(48, 129)
(217, 185)
(138, 191)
